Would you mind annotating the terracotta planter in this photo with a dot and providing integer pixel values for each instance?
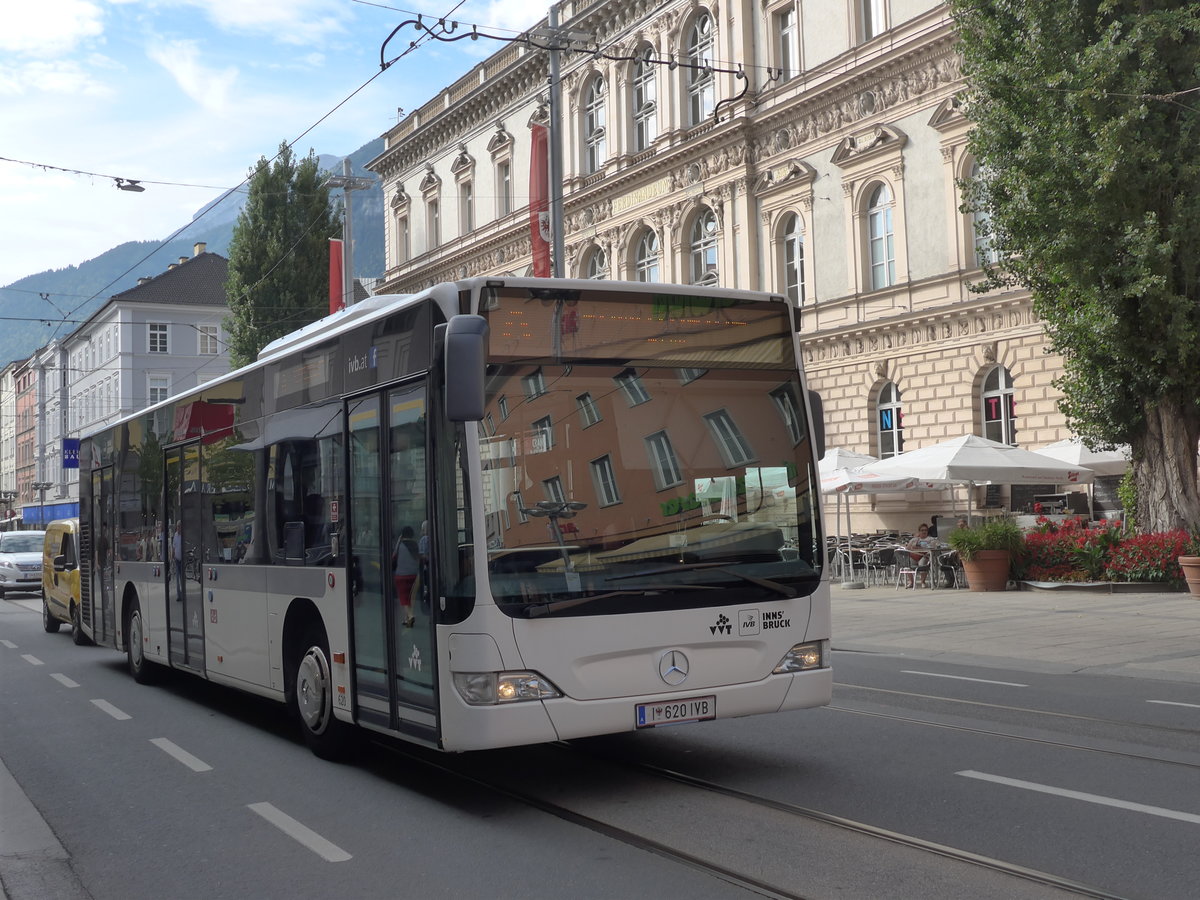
(1191, 572)
(987, 570)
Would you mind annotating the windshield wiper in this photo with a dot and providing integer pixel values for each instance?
(789, 592)
(545, 609)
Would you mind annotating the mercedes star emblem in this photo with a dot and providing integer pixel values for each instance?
(673, 667)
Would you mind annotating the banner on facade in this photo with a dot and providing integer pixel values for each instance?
(70, 453)
(539, 200)
(336, 287)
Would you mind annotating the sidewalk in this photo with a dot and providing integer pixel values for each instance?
(1148, 635)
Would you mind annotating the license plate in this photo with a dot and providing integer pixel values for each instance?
(672, 712)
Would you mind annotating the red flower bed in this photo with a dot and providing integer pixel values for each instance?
(1072, 552)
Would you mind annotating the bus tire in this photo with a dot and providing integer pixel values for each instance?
(312, 698)
(142, 670)
(49, 623)
(77, 636)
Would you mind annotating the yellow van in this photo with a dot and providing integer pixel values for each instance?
(60, 578)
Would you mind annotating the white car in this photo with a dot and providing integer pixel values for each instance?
(21, 561)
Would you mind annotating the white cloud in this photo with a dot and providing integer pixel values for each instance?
(207, 86)
(53, 77)
(301, 22)
(49, 27)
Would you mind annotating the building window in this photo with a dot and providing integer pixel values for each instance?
(433, 224)
(631, 386)
(504, 196)
(466, 207)
(730, 440)
(543, 435)
(158, 338)
(999, 407)
(489, 425)
(502, 403)
(593, 126)
(687, 376)
(890, 421)
(522, 516)
(208, 340)
(793, 259)
(534, 385)
(663, 462)
(554, 490)
(597, 265)
(881, 238)
(605, 480)
(981, 232)
(874, 18)
(158, 388)
(704, 248)
(403, 245)
(786, 404)
(589, 413)
(646, 260)
(701, 85)
(645, 101)
(787, 43)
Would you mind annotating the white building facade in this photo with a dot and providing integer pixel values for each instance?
(829, 173)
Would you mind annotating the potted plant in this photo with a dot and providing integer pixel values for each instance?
(987, 551)
(1189, 563)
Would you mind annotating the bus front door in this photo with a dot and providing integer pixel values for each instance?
(100, 575)
(183, 571)
(394, 656)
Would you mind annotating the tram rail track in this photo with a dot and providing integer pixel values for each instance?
(576, 764)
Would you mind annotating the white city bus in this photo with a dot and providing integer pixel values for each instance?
(498, 512)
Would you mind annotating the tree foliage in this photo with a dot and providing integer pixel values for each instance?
(1087, 117)
(279, 256)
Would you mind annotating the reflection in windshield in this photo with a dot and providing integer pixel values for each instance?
(640, 487)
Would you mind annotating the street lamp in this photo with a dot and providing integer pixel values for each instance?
(555, 510)
(41, 487)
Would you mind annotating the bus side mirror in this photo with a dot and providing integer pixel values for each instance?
(817, 407)
(465, 353)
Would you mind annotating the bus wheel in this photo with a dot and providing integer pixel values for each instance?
(142, 670)
(49, 623)
(80, 639)
(325, 735)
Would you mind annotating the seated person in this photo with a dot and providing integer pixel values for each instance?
(921, 547)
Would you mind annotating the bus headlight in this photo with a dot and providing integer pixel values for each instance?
(491, 688)
(802, 657)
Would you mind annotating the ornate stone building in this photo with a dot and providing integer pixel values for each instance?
(808, 148)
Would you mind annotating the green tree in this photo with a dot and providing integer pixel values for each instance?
(279, 254)
(1087, 119)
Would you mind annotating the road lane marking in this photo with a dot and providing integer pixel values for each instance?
(1173, 703)
(172, 749)
(9, 644)
(111, 710)
(962, 678)
(302, 833)
(1087, 798)
(63, 680)
(32, 660)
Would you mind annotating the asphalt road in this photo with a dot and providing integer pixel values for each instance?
(113, 790)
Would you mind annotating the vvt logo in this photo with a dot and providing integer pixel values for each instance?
(723, 625)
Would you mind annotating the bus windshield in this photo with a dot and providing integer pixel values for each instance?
(649, 453)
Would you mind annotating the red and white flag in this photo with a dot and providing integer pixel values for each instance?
(539, 200)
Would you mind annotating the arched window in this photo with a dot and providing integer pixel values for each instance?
(593, 126)
(701, 85)
(981, 231)
(597, 265)
(647, 258)
(704, 248)
(792, 250)
(881, 239)
(645, 101)
(999, 407)
(890, 421)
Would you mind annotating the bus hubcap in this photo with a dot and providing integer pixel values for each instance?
(312, 689)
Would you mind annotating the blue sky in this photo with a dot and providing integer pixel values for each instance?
(192, 92)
